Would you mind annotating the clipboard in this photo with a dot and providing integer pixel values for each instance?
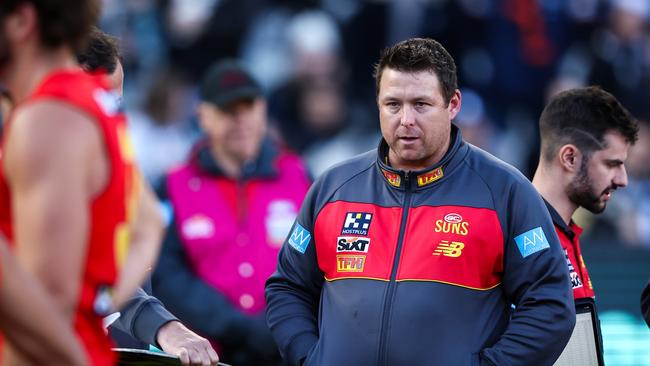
(140, 357)
(585, 347)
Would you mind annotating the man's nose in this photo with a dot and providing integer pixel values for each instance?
(620, 179)
(408, 116)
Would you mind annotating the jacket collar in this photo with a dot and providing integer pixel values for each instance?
(262, 167)
(426, 177)
(571, 230)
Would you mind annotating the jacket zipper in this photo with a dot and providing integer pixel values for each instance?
(389, 297)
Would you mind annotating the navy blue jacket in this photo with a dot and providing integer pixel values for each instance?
(384, 267)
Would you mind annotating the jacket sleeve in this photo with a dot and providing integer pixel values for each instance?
(645, 303)
(197, 304)
(536, 282)
(142, 317)
(293, 291)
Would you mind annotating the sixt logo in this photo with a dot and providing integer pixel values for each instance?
(350, 263)
(452, 223)
(453, 249)
(356, 223)
(352, 244)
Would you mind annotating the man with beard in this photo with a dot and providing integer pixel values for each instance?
(143, 318)
(69, 193)
(585, 136)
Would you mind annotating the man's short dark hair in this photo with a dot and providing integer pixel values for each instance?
(60, 22)
(420, 54)
(582, 117)
(101, 52)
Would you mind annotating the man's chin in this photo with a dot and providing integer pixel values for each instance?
(596, 208)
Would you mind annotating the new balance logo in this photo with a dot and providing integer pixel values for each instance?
(453, 249)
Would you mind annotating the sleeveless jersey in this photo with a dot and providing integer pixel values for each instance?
(110, 211)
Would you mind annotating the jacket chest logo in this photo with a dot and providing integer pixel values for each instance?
(353, 243)
(451, 223)
(449, 249)
(356, 223)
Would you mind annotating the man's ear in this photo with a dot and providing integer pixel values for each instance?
(21, 24)
(570, 157)
(203, 114)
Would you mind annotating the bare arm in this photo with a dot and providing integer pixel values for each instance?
(147, 231)
(31, 328)
(55, 163)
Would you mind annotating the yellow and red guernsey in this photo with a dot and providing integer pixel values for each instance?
(110, 212)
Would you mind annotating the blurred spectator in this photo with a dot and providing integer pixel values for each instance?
(312, 111)
(622, 54)
(234, 202)
(161, 132)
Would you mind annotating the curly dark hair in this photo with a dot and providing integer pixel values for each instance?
(100, 52)
(60, 22)
(582, 117)
(420, 54)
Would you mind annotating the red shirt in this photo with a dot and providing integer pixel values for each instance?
(110, 211)
(570, 241)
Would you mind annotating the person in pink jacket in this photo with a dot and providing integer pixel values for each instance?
(234, 202)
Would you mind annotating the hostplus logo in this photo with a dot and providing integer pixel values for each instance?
(356, 223)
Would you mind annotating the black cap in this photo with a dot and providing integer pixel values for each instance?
(226, 82)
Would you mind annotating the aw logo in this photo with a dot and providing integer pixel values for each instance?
(356, 223)
(299, 238)
(453, 249)
(532, 241)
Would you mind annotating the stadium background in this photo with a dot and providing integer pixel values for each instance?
(314, 60)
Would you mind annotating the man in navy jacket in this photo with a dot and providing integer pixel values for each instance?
(426, 251)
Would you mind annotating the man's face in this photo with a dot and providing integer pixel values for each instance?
(600, 175)
(237, 129)
(117, 78)
(415, 121)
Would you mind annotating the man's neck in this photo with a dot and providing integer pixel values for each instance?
(553, 190)
(31, 66)
(230, 166)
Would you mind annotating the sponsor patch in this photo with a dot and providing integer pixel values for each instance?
(352, 244)
(198, 227)
(356, 223)
(392, 178)
(279, 217)
(573, 275)
(449, 249)
(430, 177)
(452, 223)
(350, 263)
(299, 238)
(532, 241)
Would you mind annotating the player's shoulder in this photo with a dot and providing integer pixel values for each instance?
(43, 127)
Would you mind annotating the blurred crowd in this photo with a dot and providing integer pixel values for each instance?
(312, 59)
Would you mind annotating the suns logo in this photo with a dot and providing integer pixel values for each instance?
(452, 223)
